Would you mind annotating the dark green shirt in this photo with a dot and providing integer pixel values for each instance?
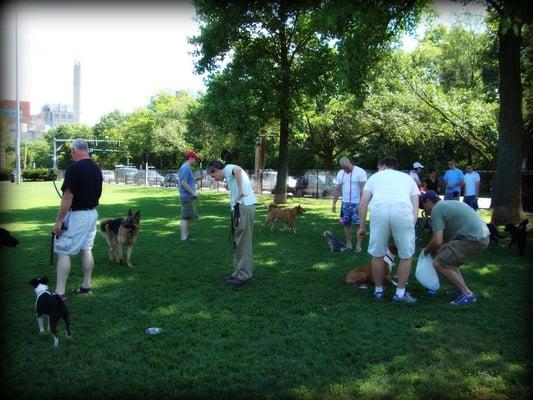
(457, 220)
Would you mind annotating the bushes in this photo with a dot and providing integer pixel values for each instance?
(36, 174)
(4, 174)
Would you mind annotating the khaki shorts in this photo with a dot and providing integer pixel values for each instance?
(80, 233)
(392, 220)
(188, 208)
(457, 252)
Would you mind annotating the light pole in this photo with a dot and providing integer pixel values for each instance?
(17, 142)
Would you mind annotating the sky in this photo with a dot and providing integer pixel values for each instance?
(127, 53)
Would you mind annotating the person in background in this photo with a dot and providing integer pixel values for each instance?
(349, 181)
(432, 181)
(242, 203)
(471, 187)
(453, 180)
(393, 198)
(188, 195)
(415, 173)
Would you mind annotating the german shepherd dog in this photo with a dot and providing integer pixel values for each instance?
(518, 235)
(286, 215)
(119, 232)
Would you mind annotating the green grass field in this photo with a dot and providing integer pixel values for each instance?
(297, 332)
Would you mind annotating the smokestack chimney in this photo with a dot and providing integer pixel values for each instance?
(76, 99)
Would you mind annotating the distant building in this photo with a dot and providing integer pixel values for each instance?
(8, 113)
(57, 114)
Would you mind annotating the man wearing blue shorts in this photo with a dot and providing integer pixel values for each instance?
(350, 182)
(75, 225)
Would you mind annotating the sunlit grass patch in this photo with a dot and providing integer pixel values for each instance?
(298, 331)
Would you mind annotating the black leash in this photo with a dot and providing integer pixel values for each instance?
(234, 222)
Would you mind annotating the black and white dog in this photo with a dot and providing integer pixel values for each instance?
(50, 304)
(333, 243)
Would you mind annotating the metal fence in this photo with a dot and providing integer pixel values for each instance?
(310, 183)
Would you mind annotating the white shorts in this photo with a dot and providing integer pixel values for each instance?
(396, 220)
(80, 233)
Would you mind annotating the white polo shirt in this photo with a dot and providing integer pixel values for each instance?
(249, 196)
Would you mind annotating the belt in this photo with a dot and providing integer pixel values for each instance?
(82, 209)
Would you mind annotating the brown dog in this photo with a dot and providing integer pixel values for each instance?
(286, 215)
(119, 232)
(363, 274)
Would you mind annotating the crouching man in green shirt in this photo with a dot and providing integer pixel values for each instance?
(458, 235)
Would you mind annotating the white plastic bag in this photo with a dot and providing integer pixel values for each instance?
(425, 272)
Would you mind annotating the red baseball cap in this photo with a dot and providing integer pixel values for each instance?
(191, 154)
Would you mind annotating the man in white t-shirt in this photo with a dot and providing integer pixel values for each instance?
(242, 203)
(349, 181)
(471, 187)
(393, 198)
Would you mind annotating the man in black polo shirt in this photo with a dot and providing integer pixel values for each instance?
(75, 225)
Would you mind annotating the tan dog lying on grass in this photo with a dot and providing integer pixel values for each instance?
(286, 215)
(363, 275)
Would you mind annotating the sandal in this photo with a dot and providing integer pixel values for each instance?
(82, 290)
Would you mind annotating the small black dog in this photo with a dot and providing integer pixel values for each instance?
(6, 239)
(518, 235)
(494, 234)
(50, 304)
(333, 243)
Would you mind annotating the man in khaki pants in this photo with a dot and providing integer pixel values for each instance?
(242, 202)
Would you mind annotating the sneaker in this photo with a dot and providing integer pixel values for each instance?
(363, 286)
(358, 250)
(82, 290)
(238, 282)
(432, 292)
(464, 299)
(407, 299)
(378, 296)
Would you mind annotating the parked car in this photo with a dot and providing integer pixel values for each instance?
(269, 181)
(108, 175)
(154, 178)
(315, 183)
(170, 180)
(125, 174)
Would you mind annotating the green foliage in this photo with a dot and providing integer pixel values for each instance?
(36, 174)
(67, 132)
(296, 332)
(4, 174)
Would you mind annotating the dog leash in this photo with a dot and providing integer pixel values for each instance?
(234, 222)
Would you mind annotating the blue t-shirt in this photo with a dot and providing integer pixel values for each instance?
(185, 175)
(453, 177)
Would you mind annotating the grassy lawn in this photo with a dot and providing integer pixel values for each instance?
(297, 332)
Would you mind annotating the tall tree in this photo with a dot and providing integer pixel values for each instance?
(506, 201)
(290, 48)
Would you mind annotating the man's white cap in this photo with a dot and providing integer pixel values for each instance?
(417, 165)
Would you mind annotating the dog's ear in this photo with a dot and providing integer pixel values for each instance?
(44, 279)
(137, 216)
(129, 213)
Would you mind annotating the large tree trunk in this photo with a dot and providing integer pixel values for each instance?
(506, 201)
